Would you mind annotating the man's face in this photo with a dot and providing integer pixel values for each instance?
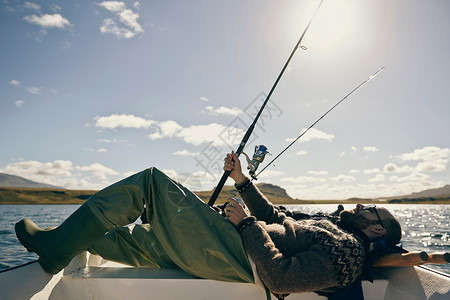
(359, 217)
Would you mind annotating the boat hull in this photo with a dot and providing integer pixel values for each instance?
(90, 277)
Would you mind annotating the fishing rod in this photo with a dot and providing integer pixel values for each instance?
(225, 175)
(313, 124)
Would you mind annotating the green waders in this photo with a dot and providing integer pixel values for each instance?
(183, 232)
(57, 247)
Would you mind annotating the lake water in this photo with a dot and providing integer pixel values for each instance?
(425, 227)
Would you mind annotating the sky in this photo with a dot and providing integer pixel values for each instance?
(94, 91)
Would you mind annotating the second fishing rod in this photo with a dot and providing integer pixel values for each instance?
(317, 121)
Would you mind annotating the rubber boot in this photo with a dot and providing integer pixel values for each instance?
(57, 247)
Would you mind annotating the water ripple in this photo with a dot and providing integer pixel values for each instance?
(425, 227)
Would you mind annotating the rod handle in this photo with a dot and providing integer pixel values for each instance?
(402, 259)
(439, 258)
(218, 188)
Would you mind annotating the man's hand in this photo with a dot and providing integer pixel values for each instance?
(232, 163)
(234, 212)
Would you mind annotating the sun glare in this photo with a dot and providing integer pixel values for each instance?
(330, 26)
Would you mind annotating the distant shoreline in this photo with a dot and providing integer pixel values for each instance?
(39, 196)
(298, 202)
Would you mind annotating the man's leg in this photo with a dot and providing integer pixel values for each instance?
(136, 246)
(192, 235)
(118, 204)
(57, 247)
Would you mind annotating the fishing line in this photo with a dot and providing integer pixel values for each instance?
(304, 132)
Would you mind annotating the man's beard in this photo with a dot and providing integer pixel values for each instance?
(354, 220)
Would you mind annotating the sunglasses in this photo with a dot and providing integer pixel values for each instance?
(373, 209)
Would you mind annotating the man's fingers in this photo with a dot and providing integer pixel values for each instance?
(232, 200)
(228, 163)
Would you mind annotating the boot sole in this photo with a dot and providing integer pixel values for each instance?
(45, 264)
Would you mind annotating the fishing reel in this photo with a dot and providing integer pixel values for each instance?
(258, 157)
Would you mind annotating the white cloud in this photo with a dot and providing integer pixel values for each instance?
(125, 25)
(269, 174)
(20, 103)
(32, 6)
(234, 111)
(185, 153)
(378, 178)
(15, 82)
(413, 177)
(55, 173)
(166, 129)
(313, 134)
(303, 179)
(113, 6)
(408, 187)
(48, 21)
(301, 152)
(98, 171)
(432, 159)
(110, 26)
(125, 121)
(204, 99)
(432, 166)
(55, 8)
(199, 134)
(430, 153)
(343, 178)
(370, 149)
(108, 141)
(393, 179)
(390, 167)
(317, 173)
(171, 173)
(393, 168)
(376, 188)
(34, 90)
(129, 18)
(195, 134)
(371, 171)
(101, 150)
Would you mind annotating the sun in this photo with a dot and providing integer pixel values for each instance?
(331, 25)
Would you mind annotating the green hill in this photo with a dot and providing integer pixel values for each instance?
(16, 195)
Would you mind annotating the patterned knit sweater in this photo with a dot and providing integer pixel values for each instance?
(297, 256)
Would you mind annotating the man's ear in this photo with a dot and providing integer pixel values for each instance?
(377, 229)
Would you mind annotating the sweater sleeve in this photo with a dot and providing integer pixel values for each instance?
(303, 272)
(258, 204)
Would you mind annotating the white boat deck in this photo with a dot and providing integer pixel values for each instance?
(90, 277)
